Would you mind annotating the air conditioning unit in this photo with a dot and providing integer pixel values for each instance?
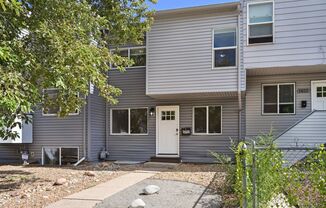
(25, 134)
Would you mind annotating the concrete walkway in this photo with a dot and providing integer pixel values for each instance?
(90, 197)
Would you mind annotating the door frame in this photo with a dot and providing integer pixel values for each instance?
(312, 91)
(157, 130)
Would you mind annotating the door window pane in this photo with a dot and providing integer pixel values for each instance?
(69, 156)
(120, 121)
(214, 119)
(138, 121)
(225, 57)
(260, 13)
(51, 156)
(200, 120)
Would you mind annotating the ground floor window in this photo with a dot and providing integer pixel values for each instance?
(129, 121)
(279, 99)
(207, 120)
(60, 155)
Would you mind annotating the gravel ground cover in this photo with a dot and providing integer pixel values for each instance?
(32, 186)
(174, 194)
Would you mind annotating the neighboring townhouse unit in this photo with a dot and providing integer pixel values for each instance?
(204, 76)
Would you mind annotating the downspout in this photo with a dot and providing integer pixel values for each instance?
(106, 127)
(84, 132)
(88, 128)
(239, 76)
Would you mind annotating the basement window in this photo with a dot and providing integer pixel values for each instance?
(260, 22)
(60, 155)
(129, 121)
(278, 99)
(224, 48)
(207, 120)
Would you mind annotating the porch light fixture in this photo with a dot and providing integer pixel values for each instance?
(152, 111)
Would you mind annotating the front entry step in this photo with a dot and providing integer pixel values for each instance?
(166, 159)
(160, 165)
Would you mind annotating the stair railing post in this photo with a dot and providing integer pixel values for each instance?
(244, 176)
(254, 176)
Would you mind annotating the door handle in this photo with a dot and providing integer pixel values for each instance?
(177, 132)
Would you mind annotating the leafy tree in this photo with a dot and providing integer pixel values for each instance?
(62, 44)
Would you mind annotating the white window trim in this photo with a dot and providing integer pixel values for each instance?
(129, 133)
(222, 48)
(278, 97)
(261, 23)
(59, 147)
(207, 120)
(128, 49)
(55, 114)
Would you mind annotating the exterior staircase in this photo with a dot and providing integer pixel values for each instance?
(308, 132)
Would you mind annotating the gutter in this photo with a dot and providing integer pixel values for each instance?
(239, 77)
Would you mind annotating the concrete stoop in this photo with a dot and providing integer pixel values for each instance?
(160, 165)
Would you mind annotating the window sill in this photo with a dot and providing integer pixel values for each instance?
(55, 114)
(260, 44)
(224, 67)
(113, 134)
(278, 114)
(132, 67)
(207, 134)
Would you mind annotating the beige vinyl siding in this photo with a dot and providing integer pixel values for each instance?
(257, 123)
(299, 36)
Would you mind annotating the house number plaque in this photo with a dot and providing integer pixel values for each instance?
(303, 90)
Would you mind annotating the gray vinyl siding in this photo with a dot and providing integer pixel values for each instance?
(10, 152)
(257, 123)
(192, 148)
(180, 55)
(299, 38)
(97, 125)
(48, 131)
(309, 132)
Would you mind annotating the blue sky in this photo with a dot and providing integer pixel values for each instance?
(173, 4)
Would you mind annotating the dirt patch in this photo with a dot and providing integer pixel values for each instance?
(32, 186)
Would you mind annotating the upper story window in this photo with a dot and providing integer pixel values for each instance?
(279, 99)
(224, 48)
(52, 108)
(137, 54)
(260, 22)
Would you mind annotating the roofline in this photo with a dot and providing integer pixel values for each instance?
(198, 8)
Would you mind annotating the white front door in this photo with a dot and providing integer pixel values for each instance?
(167, 134)
(318, 95)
